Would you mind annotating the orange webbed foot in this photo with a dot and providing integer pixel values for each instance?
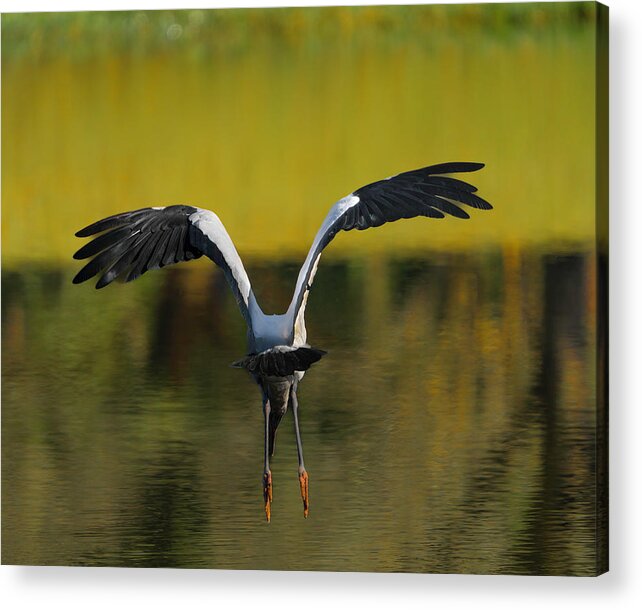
(267, 494)
(303, 483)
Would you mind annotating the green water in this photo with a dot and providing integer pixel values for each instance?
(451, 428)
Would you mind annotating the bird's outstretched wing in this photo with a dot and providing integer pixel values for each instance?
(132, 243)
(421, 192)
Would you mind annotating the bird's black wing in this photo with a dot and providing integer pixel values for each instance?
(130, 244)
(421, 192)
(426, 192)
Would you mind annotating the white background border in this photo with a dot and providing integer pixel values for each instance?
(107, 588)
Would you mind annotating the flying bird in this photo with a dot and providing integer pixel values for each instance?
(129, 244)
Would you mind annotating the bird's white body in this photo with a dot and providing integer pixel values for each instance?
(269, 330)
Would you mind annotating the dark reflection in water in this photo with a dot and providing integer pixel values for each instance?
(451, 428)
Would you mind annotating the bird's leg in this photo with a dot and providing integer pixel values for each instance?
(267, 475)
(303, 475)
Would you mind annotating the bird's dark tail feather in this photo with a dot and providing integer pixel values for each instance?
(281, 361)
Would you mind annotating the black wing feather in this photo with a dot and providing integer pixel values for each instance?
(420, 192)
(102, 242)
(172, 247)
(106, 258)
(116, 269)
(451, 183)
(156, 258)
(446, 206)
(139, 264)
(132, 243)
(111, 222)
(452, 167)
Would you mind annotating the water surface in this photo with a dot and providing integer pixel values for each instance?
(450, 428)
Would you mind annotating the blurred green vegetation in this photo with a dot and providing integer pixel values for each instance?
(202, 32)
(270, 137)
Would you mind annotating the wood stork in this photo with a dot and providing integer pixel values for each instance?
(132, 243)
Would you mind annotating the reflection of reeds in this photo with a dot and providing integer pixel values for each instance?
(451, 427)
(81, 35)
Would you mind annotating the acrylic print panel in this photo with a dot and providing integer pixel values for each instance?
(457, 422)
